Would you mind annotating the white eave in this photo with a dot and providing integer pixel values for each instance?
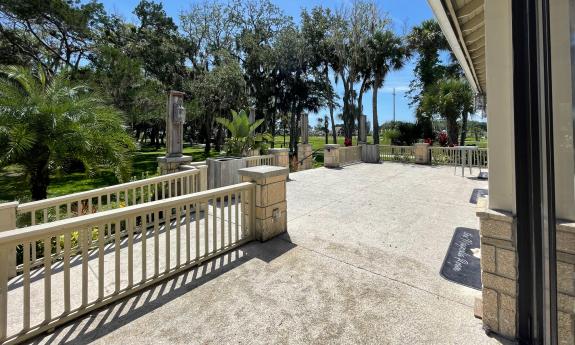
(463, 26)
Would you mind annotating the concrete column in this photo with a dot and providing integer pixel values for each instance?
(281, 157)
(362, 137)
(561, 74)
(304, 122)
(270, 199)
(331, 156)
(497, 214)
(8, 222)
(422, 153)
(175, 118)
(500, 128)
(304, 156)
(561, 78)
(370, 153)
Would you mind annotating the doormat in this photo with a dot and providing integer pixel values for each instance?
(476, 194)
(461, 266)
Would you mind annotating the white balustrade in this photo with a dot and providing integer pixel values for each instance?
(164, 237)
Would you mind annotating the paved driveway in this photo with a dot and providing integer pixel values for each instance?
(359, 265)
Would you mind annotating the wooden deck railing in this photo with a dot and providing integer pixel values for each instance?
(164, 237)
(107, 198)
(349, 155)
(397, 153)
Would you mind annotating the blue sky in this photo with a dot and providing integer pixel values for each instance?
(403, 13)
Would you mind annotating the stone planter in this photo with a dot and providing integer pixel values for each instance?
(331, 156)
(281, 157)
(422, 155)
(370, 153)
(224, 171)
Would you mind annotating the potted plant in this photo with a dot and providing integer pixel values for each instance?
(243, 141)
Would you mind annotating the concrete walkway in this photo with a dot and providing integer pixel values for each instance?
(359, 265)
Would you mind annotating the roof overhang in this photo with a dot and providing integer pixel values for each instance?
(462, 23)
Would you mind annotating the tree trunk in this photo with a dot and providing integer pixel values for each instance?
(219, 135)
(293, 133)
(40, 174)
(452, 129)
(375, 120)
(207, 139)
(463, 129)
(360, 105)
(333, 132)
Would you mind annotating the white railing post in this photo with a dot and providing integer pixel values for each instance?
(270, 207)
(8, 222)
(203, 177)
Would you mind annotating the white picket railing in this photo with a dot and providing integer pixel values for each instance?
(397, 153)
(107, 198)
(349, 154)
(199, 226)
(259, 160)
(458, 156)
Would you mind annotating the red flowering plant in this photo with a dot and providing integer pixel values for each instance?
(347, 142)
(428, 141)
(443, 138)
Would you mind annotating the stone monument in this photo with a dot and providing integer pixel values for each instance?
(304, 152)
(362, 137)
(175, 135)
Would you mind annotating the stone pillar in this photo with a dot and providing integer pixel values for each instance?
(304, 123)
(422, 153)
(8, 222)
(252, 115)
(281, 157)
(176, 116)
(304, 156)
(498, 269)
(370, 153)
(270, 199)
(331, 156)
(362, 135)
(566, 282)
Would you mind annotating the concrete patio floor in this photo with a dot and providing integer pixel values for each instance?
(359, 265)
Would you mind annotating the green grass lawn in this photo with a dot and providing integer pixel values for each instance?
(482, 143)
(13, 185)
(317, 142)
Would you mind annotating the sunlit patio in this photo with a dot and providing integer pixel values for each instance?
(360, 263)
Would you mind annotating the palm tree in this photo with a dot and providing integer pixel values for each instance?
(387, 53)
(47, 123)
(243, 135)
(452, 99)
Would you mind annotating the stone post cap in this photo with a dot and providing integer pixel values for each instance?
(421, 144)
(176, 93)
(278, 150)
(263, 171)
(331, 146)
(12, 204)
